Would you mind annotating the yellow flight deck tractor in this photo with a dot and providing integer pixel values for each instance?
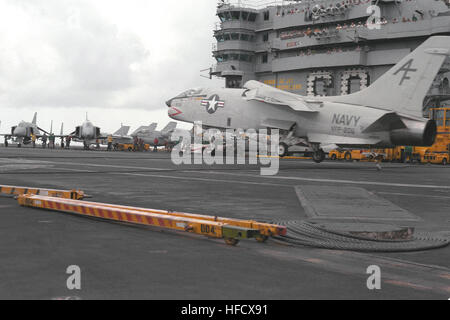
(347, 155)
(439, 152)
(129, 147)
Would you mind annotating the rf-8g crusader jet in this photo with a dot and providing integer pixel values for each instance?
(387, 113)
(23, 131)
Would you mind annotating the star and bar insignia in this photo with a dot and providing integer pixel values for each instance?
(213, 103)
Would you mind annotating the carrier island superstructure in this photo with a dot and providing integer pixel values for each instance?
(325, 47)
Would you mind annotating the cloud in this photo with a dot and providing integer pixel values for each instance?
(102, 54)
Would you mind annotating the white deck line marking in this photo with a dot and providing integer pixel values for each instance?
(105, 165)
(413, 195)
(264, 177)
(404, 185)
(203, 179)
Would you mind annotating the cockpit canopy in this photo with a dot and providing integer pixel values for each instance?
(189, 93)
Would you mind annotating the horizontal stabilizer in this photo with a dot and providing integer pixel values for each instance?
(389, 121)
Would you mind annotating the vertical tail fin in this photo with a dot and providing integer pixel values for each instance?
(34, 118)
(169, 128)
(152, 127)
(62, 129)
(123, 131)
(404, 87)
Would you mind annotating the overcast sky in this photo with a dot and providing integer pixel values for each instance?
(119, 60)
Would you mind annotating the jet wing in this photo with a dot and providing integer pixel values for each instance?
(278, 124)
(267, 94)
(326, 139)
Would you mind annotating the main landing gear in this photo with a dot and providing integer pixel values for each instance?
(318, 156)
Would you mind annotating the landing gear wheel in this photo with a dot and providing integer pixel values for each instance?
(348, 157)
(283, 150)
(231, 241)
(319, 156)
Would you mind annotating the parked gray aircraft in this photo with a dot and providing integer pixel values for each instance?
(89, 134)
(145, 129)
(22, 132)
(162, 137)
(121, 135)
(387, 113)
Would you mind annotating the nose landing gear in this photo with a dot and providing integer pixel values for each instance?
(283, 150)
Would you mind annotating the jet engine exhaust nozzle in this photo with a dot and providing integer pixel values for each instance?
(421, 134)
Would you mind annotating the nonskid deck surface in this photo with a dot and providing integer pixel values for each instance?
(120, 261)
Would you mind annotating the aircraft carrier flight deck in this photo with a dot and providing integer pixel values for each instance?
(125, 262)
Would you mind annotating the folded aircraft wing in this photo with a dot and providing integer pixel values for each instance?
(152, 127)
(261, 92)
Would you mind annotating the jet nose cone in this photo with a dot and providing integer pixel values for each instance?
(169, 103)
(175, 113)
(20, 132)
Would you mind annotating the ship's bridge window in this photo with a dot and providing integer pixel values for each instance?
(245, 37)
(252, 17)
(221, 17)
(226, 37)
(235, 36)
(245, 58)
(227, 16)
(235, 15)
(265, 58)
(244, 15)
(266, 15)
(220, 38)
(234, 56)
(265, 37)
